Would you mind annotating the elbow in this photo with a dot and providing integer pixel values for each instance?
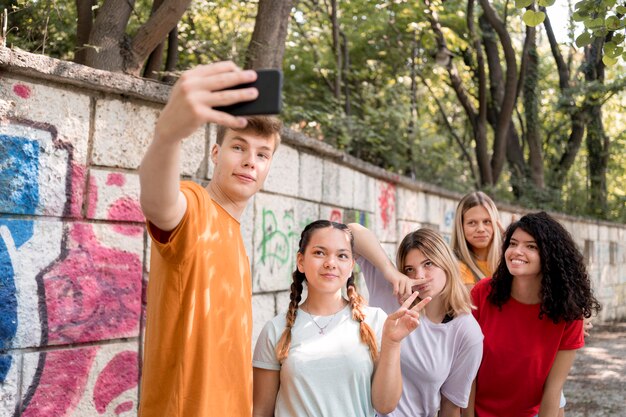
(386, 405)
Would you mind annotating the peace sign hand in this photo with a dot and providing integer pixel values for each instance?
(404, 320)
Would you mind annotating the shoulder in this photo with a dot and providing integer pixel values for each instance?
(374, 315)
(468, 328)
(197, 196)
(482, 288)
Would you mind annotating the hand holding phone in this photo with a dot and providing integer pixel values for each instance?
(269, 83)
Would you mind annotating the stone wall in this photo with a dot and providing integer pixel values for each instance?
(74, 250)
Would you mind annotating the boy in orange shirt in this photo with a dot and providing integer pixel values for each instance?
(197, 357)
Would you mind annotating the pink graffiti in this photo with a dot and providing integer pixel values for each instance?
(387, 203)
(62, 383)
(118, 376)
(22, 90)
(336, 216)
(123, 407)
(94, 292)
(115, 178)
(126, 209)
(76, 193)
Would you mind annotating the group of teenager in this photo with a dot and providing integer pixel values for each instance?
(487, 326)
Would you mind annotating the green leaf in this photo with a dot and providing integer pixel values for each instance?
(520, 4)
(583, 40)
(613, 23)
(532, 18)
(608, 61)
(608, 3)
(594, 23)
(546, 3)
(579, 17)
(618, 38)
(620, 9)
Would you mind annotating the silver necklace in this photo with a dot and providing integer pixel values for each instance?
(321, 328)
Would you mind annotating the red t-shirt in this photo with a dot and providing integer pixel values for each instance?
(519, 350)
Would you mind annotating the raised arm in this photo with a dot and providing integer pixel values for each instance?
(554, 383)
(189, 106)
(366, 245)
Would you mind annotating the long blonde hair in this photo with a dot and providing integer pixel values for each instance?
(459, 242)
(455, 297)
(356, 301)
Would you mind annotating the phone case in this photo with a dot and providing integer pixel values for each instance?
(269, 82)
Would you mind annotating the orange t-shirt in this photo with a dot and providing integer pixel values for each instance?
(468, 275)
(197, 353)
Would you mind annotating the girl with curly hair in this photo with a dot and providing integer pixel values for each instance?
(441, 358)
(330, 356)
(531, 314)
(476, 237)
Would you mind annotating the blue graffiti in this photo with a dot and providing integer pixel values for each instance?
(19, 194)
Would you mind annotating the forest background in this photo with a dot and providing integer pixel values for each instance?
(464, 94)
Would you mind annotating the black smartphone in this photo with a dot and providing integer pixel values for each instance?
(269, 82)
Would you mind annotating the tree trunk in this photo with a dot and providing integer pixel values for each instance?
(531, 111)
(84, 23)
(597, 140)
(510, 91)
(155, 60)
(336, 47)
(267, 45)
(172, 56)
(107, 39)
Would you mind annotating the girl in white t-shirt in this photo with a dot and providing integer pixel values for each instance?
(440, 359)
(330, 356)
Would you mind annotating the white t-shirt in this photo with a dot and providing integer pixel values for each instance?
(324, 375)
(436, 359)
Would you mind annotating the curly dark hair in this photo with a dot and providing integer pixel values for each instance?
(565, 285)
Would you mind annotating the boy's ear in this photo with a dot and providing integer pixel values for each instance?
(214, 151)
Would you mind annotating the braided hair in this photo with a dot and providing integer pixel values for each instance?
(298, 278)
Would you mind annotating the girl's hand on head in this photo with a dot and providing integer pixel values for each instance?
(404, 320)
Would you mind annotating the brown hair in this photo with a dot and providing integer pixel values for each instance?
(265, 126)
(356, 301)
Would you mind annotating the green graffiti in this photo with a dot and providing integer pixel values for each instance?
(280, 241)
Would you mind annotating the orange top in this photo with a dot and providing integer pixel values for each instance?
(197, 354)
(468, 275)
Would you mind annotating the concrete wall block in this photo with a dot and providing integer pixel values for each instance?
(10, 368)
(278, 224)
(334, 214)
(310, 177)
(364, 192)
(123, 130)
(212, 138)
(114, 196)
(247, 228)
(93, 287)
(390, 249)
(337, 188)
(385, 214)
(603, 233)
(83, 382)
(283, 176)
(32, 102)
(40, 173)
(263, 310)
(30, 248)
(357, 216)
(448, 210)
(411, 205)
(433, 209)
(283, 298)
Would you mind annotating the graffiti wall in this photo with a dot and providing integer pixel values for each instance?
(74, 250)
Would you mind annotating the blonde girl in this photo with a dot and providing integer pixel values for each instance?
(329, 356)
(476, 237)
(440, 359)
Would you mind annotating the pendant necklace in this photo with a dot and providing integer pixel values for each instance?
(321, 328)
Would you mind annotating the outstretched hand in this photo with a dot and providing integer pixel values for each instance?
(402, 285)
(197, 92)
(404, 320)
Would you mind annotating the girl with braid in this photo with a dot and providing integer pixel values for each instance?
(329, 356)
